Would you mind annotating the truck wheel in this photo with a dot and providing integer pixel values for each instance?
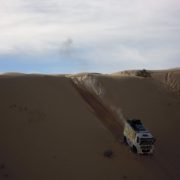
(134, 149)
(124, 140)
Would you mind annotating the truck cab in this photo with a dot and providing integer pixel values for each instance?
(138, 138)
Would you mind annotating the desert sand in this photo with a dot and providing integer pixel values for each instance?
(57, 127)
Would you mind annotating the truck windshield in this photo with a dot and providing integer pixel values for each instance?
(147, 141)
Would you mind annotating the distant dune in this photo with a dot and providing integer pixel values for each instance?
(59, 126)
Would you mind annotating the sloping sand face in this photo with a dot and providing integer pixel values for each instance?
(48, 131)
(151, 101)
(170, 78)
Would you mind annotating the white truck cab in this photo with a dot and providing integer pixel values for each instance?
(137, 137)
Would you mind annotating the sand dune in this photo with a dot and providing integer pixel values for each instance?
(51, 130)
(171, 79)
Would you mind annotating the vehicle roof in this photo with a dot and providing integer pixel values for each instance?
(136, 124)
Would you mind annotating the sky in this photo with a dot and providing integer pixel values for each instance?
(71, 36)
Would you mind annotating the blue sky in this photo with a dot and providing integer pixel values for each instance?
(66, 36)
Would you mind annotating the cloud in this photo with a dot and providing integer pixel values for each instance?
(106, 32)
(66, 47)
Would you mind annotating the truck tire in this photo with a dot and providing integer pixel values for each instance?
(124, 140)
(134, 149)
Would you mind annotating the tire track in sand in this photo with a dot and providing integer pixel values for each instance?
(103, 113)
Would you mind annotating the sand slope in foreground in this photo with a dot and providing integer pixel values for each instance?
(47, 130)
(150, 99)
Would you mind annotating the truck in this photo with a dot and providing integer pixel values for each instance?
(137, 137)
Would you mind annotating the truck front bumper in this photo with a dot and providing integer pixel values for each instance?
(144, 150)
